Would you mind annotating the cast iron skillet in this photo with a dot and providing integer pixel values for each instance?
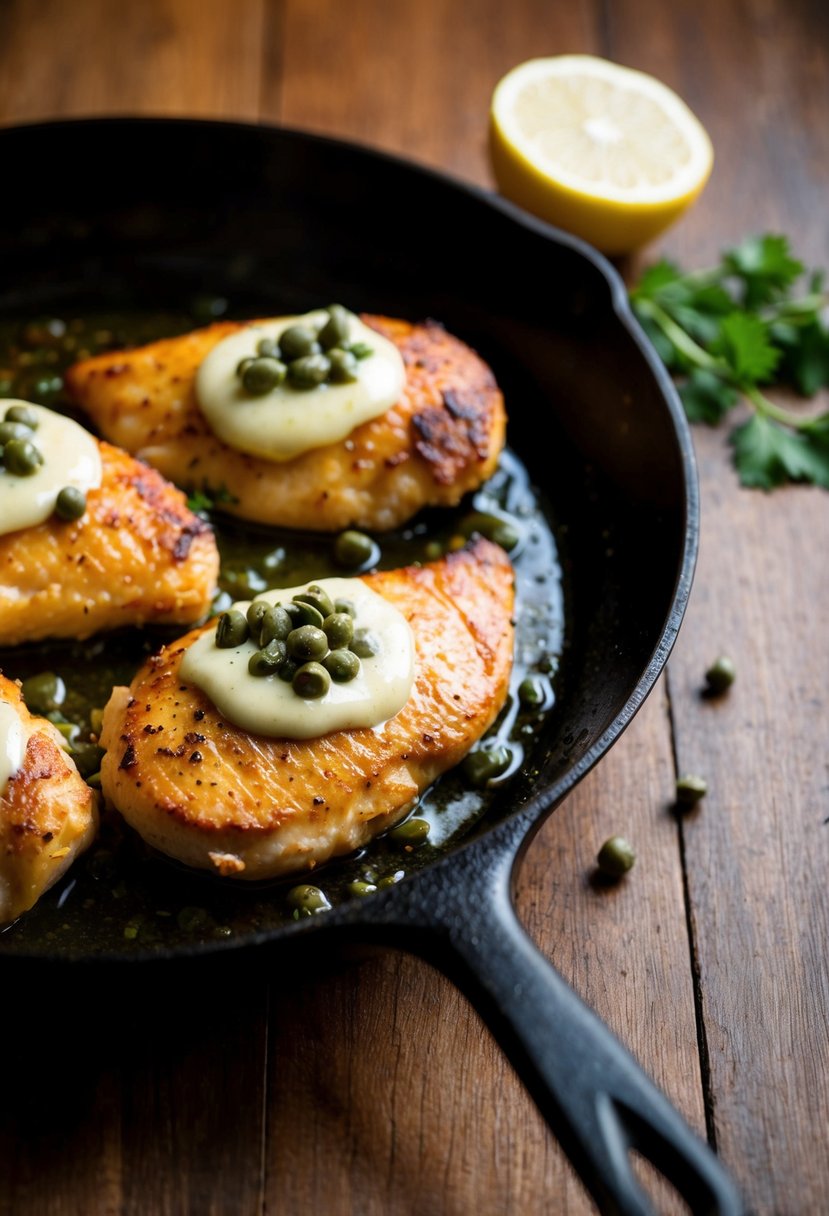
(150, 210)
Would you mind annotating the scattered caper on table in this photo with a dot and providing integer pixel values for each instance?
(721, 674)
(689, 789)
(615, 857)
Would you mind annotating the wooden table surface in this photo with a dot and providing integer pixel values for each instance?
(375, 1088)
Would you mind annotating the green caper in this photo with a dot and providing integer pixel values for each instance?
(336, 329)
(690, 788)
(96, 720)
(87, 757)
(287, 670)
(273, 561)
(298, 341)
(532, 692)
(317, 597)
(244, 583)
(615, 857)
(344, 368)
(231, 629)
(412, 832)
(309, 371)
(24, 415)
(21, 457)
(304, 614)
(361, 889)
(44, 692)
(721, 674)
(263, 376)
(244, 364)
(433, 551)
(255, 614)
(14, 430)
(390, 880)
(493, 527)
(276, 623)
(338, 627)
(506, 536)
(342, 666)
(307, 899)
(483, 765)
(268, 348)
(46, 385)
(354, 549)
(307, 643)
(70, 503)
(365, 644)
(268, 660)
(311, 681)
(361, 350)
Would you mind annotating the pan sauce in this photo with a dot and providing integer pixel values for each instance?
(134, 898)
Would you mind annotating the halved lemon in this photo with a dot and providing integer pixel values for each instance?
(603, 151)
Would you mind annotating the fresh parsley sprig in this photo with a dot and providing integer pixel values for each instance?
(728, 332)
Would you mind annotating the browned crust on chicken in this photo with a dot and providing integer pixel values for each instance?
(48, 814)
(439, 441)
(137, 555)
(213, 795)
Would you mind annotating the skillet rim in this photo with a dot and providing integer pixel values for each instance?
(531, 814)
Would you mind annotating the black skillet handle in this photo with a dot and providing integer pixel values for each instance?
(595, 1098)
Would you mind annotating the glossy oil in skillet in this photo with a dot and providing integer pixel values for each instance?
(618, 471)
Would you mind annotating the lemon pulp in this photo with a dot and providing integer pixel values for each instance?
(603, 151)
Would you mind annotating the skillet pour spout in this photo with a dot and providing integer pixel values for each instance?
(294, 220)
(595, 1098)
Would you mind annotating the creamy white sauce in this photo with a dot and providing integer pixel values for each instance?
(71, 457)
(12, 744)
(287, 421)
(266, 705)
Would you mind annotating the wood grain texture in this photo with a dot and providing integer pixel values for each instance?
(757, 850)
(170, 57)
(374, 1088)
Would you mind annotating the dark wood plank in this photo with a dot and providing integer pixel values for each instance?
(423, 1115)
(758, 848)
(155, 1103)
(176, 57)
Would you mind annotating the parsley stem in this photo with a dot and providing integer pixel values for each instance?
(683, 341)
(769, 410)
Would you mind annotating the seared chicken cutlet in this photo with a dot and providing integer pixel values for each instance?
(220, 798)
(440, 437)
(136, 555)
(48, 814)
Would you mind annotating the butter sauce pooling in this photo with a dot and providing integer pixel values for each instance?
(288, 421)
(12, 744)
(269, 706)
(71, 457)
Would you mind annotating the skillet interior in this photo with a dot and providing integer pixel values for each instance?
(151, 212)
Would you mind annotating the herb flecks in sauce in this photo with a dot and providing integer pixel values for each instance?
(120, 897)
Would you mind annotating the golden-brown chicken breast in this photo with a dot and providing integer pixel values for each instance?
(216, 797)
(137, 555)
(440, 440)
(48, 814)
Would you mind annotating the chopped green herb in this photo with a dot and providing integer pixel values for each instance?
(726, 332)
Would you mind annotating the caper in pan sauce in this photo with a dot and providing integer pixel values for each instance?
(264, 629)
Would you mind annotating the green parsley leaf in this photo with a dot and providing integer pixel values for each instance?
(706, 397)
(768, 455)
(725, 331)
(764, 266)
(805, 355)
(744, 341)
